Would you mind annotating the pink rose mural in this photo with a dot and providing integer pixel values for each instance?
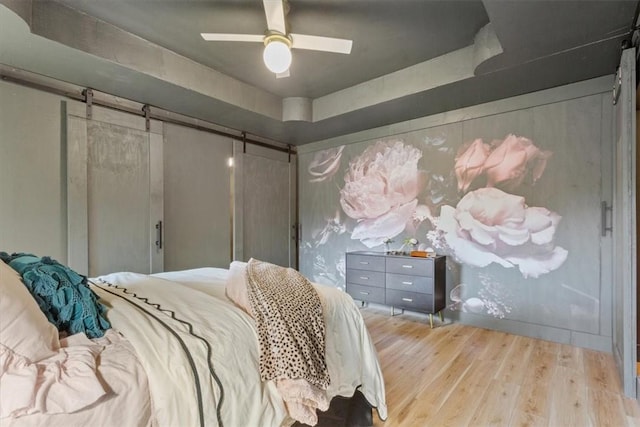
(491, 226)
(380, 190)
(325, 164)
(470, 162)
(467, 202)
(511, 160)
(505, 163)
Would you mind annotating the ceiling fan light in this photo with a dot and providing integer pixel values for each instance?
(277, 56)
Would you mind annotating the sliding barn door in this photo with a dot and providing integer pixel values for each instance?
(264, 206)
(624, 226)
(115, 200)
(197, 198)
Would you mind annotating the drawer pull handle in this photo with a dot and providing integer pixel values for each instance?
(364, 293)
(407, 266)
(364, 262)
(364, 277)
(407, 299)
(407, 283)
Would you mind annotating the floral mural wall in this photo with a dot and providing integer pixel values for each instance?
(492, 197)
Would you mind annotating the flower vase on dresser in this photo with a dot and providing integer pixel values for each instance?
(387, 245)
(411, 243)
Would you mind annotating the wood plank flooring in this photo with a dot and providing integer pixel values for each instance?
(456, 375)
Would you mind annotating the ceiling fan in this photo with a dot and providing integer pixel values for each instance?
(278, 41)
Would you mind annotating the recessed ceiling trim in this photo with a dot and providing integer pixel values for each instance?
(296, 109)
(486, 45)
(23, 8)
(440, 71)
(65, 25)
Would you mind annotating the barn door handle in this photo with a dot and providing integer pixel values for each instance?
(296, 232)
(159, 234)
(603, 218)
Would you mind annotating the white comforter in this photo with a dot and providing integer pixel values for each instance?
(240, 398)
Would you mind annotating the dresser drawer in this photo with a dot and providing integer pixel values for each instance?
(413, 266)
(367, 278)
(410, 300)
(405, 282)
(365, 262)
(366, 293)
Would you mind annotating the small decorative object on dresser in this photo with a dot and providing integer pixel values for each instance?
(414, 284)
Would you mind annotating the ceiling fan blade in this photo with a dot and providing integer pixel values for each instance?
(326, 44)
(282, 74)
(221, 37)
(274, 11)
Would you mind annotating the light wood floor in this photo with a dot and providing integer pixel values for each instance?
(456, 375)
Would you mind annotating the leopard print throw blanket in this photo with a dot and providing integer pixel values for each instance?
(291, 332)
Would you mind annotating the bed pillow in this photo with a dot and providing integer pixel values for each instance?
(236, 286)
(24, 329)
(62, 295)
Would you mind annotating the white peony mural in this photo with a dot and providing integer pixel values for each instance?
(491, 226)
(477, 201)
(380, 190)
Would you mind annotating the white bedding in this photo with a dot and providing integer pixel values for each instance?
(201, 300)
(229, 390)
(126, 402)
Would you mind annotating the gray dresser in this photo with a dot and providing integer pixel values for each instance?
(410, 283)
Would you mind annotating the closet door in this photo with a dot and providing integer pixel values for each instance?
(265, 214)
(115, 193)
(197, 198)
(32, 167)
(624, 226)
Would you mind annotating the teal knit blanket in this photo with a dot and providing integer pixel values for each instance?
(62, 294)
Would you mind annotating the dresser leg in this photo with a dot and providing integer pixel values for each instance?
(392, 313)
(441, 317)
(431, 320)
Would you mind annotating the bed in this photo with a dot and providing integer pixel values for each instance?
(181, 353)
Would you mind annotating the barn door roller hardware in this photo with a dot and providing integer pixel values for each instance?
(617, 83)
(88, 99)
(146, 109)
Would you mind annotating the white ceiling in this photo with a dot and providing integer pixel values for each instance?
(410, 58)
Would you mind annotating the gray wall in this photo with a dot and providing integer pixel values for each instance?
(517, 216)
